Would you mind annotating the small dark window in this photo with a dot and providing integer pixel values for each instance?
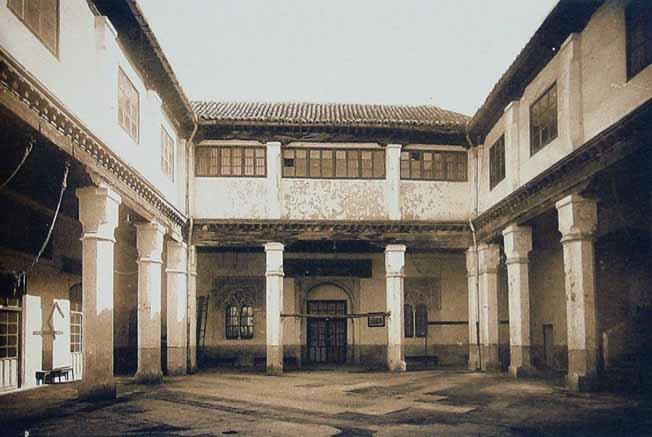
(421, 320)
(543, 120)
(408, 321)
(497, 162)
(9, 327)
(230, 161)
(333, 163)
(41, 17)
(638, 17)
(239, 322)
(434, 166)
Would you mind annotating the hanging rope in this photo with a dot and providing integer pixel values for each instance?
(28, 150)
(64, 185)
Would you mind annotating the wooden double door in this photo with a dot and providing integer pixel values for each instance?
(326, 335)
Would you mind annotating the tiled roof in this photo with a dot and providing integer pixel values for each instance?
(336, 114)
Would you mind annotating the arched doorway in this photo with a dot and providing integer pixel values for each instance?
(327, 307)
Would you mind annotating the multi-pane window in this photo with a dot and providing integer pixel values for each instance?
(334, 163)
(230, 161)
(421, 320)
(41, 17)
(239, 322)
(167, 154)
(434, 165)
(543, 120)
(128, 112)
(9, 327)
(497, 162)
(75, 294)
(408, 321)
(639, 36)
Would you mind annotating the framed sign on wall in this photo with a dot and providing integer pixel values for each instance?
(376, 320)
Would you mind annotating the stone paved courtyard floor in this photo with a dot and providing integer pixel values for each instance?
(326, 403)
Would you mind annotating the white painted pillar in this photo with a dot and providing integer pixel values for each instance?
(192, 309)
(488, 258)
(98, 214)
(577, 224)
(177, 283)
(518, 244)
(512, 149)
(472, 280)
(274, 305)
(393, 181)
(274, 173)
(394, 274)
(150, 247)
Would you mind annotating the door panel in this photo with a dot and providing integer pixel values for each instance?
(327, 337)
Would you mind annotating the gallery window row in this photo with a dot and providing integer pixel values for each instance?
(330, 163)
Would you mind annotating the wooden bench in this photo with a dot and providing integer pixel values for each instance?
(48, 376)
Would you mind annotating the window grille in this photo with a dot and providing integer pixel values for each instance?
(333, 163)
(497, 162)
(128, 105)
(434, 165)
(543, 120)
(231, 161)
(41, 17)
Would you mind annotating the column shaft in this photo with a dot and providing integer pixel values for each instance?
(473, 303)
(577, 223)
(98, 213)
(518, 243)
(394, 274)
(192, 310)
(488, 291)
(150, 246)
(274, 306)
(177, 309)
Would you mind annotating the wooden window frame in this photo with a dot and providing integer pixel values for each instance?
(536, 129)
(217, 152)
(37, 32)
(638, 13)
(414, 168)
(122, 76)
(497, 170)
(167, 154)
(350, 163)
(7, 309)
(238, 329)
(421, 320)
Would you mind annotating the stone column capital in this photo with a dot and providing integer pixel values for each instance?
(274, 259)
(394, 259)
(273, 144)
(488, 258)
(578, 217)
(150, 241)
(395, 146)
(177, 257)
(98, 211)
(518, 243)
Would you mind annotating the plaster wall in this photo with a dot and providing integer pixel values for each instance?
(84, 77)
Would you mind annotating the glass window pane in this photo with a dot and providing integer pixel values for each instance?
(301, 165)
(379, 164)
(315, 163)
(352, 164)
(340, 165)
(327, 163)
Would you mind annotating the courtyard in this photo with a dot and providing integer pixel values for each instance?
(326, 403)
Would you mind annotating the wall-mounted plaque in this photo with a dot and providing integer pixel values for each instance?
(376, 320)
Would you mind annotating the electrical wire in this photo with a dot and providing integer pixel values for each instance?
(28, 150)
(64, 185)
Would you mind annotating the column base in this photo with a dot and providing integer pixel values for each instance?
(520, 362)
(148, 377)
(149, 366)
(581, 383)
(395, 363)
(192, 366)
(474, 357)
(490, 362)
(96, 392)
(176, 361)
(274, 360)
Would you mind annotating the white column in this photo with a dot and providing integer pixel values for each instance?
(177, 283)
(150, 247)
(394, 274)
(472, 279)
(274, 169)
(274, 305)
(98, 213)
(488, 258)
(512, 149)
(518, 244)
(393, 181)
(577, 223)
(192, 309)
